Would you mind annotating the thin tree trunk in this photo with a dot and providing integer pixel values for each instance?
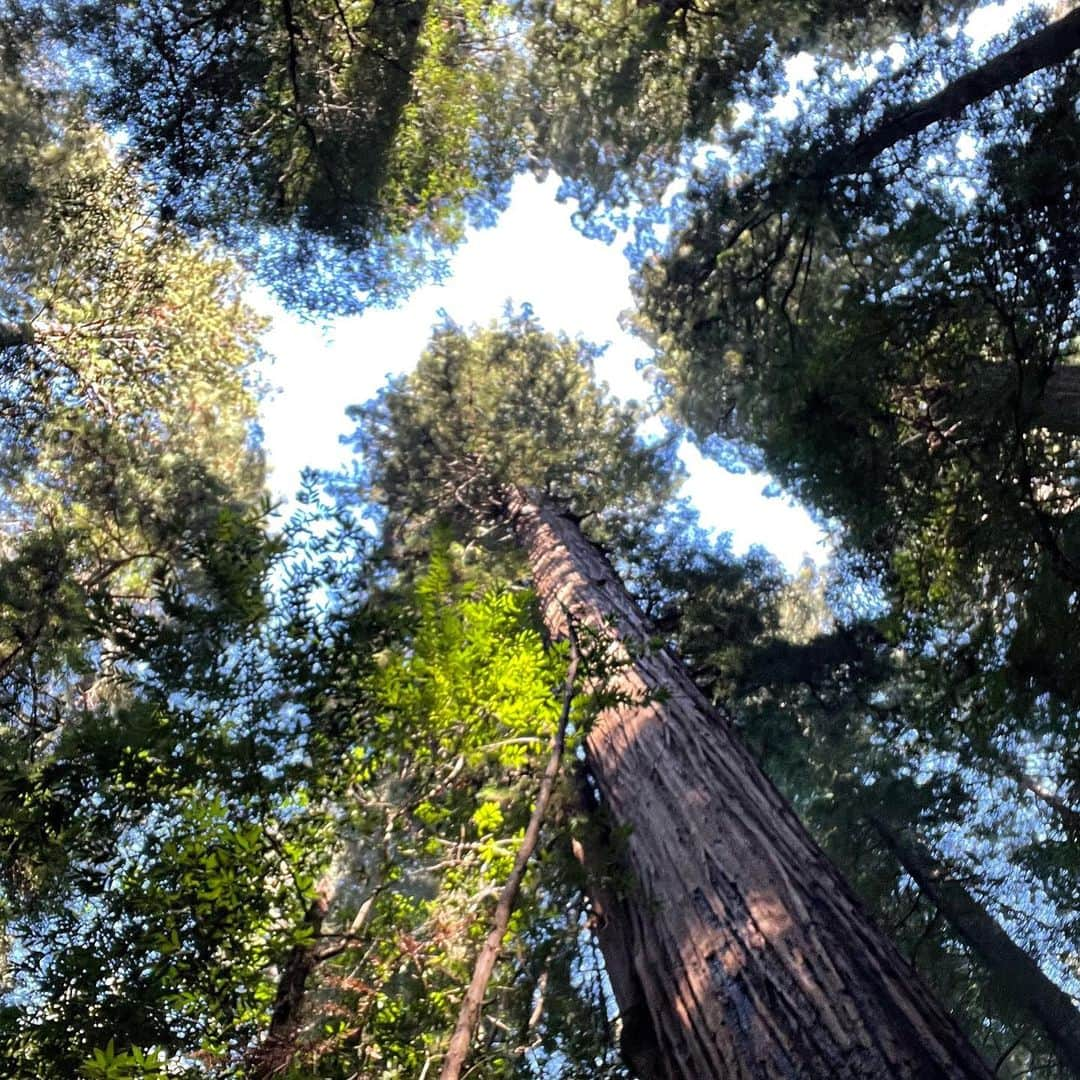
(1052, 45)
(754, 957)
(469, 1014)
(1015, 972)
(1068, 816)
(273, 1055)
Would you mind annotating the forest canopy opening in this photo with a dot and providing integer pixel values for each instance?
(488, 760)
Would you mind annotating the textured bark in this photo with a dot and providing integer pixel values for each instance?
(1058, 409)
(1052, 45)
(753, 955)
(1014, 971)
(597, 852)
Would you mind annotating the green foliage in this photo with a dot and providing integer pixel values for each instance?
(449, 438)
(433, 754)
(624, 93)
(131, 561)
(128, 461)
(391, 787)
(345, 146)
(130, 1064)
(262, 835)
(888, 345)
(363, 136)
(898, 345)
(156, 865)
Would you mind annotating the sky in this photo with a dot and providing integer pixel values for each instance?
(576, 285)
(580, 286)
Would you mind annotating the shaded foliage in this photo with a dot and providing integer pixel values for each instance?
(899, 348)
(344, 147)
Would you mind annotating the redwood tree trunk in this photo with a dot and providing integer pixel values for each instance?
(1014, 971)
(1059, 407)
(754, 958)
(1052, 45)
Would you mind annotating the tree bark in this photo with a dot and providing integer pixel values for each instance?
(754, 957)
(1015, 972)
(1052, 45)
(1058, 408)
(598, 854)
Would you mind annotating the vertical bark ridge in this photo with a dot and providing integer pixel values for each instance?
(597, 854)
(755, 958)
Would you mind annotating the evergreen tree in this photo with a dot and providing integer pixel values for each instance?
(345, 147)
(131, 548)
(624, 94)
(128, 457)
(711, 924)
(274, 830)
(895, 340)
(869, 745)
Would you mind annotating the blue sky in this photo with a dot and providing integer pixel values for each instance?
(534, 256)
(580, 286)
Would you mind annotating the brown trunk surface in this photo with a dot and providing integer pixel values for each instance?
(1015, 972)
(639, 1044)
(1058, 408)
(754, 958)
(1052, 45)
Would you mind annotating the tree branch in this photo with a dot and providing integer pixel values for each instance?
(471, 1005)
(1052, 45)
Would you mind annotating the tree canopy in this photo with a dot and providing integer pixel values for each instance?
(417, 780)
(342, 147)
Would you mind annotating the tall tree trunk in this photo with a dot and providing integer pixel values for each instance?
(1058, 409)
(1052, 45)
(753, 955)
(598, 854)
(1015, 972)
